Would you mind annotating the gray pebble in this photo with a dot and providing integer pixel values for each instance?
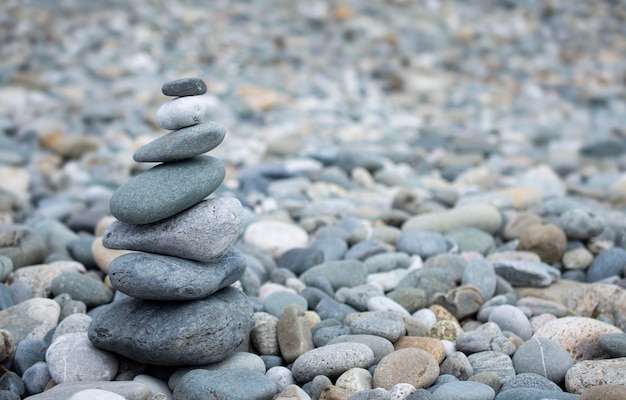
(493, 361)
(298, 260)
(608, 263)
(365, 249)
(344, 273)
(384, 324)
(544, 357)
(464, 391)
(166, 189)
(83, 288)
(6, 267)
(333, 248)
(388, 261)
(325, 335)
(512, 319)
(276, 303)
(613, 344)
(412, 299)
(22, 245)
(36, 378)
(332, 360)
(423, 244)
(430, 281)
(232, 384)
(480, 273)
(329, 308)
(578, 223)
(358, 296)
(472, 239)
(452, 264)
(529, 380)
(535, 394)
(524, 273)
(184, 87)
(28, 353)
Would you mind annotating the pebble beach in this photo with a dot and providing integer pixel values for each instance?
(377, 200)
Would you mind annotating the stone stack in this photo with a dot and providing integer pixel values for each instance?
(180, 308)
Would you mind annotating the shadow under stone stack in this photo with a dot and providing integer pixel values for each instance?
(180, 309)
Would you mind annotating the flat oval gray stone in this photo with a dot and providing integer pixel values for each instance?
(464, 390)
(166, 189)
(83, 288)
(22, 245)
(184, 87)
(204, 232)
(226, 384)
(158, 277)
(332, 360)
(175, 333)
(182, 144)
(342, 273)
(379, 345)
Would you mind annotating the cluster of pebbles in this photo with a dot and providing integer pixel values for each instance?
(417, 200)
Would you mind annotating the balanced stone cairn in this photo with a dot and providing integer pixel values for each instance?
(181, 308)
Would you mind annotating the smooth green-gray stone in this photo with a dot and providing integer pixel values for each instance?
(175, 333)
(184, 87)
(182, 144)
(158, 277)
(166, 190)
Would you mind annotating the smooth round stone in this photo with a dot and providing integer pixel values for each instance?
(342, 273)
(411, 299)
(588, 373)
(80, 250)
(413, 366)
(578, 335)
(423, 244)
(604, 392)
(386, 262)
(12, 382)
(182, 144)
(328, 308)
(434, 347)
(548, 241)
(379, 345)
(181, 112)
(158, 277)
(481, 216)
(525, 273)
(476, 341)
(332, 360)
(22, 245)
(6, 267)
(444, 330)
(282, 376)
(72, 357)
(231, 384)
(83, 288)
(333, 248)
(36, 377)
(31, 319)
(535, 394)
(237, 361)
(72, 324)
(529, 380)
(539, 306)
(512, 319)
(276, 303)
(481, 274)
(579, 223)
(472, 239)
(166, 189)
(207, 330)
(577, 259)
(388, 325)
(220, 219)
(322, 336)
(28, 353)
(355, 380)
(613, 344)
(298, 260)
(608, 263)
(6, 300)
(457, 365)
(95, 394)
(184, 87)
(492, 361)
(463, 390)
(275, 237)
(263, 335)
(358, 296)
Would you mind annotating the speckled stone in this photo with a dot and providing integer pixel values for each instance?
(413, 366)
(544, 357)
(588, 373)
(430, 345)
(184, 87)
(332, 360)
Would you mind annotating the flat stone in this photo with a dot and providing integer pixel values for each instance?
(182, 144)
(379, 345)
(538, 306)
(492, 361)
(430, 345)
(604, 392)
(204, 232)
(72, 357)
(31, 319)
(95, 394)
(423, 244)
(181, 112)
(74, 323)
(384, 324)
(83, 288)
(184, 87)
(481, 216)
(512, 319)
(412, 366)
(578, 335)
(529, 380)
(231, 384)
(608, 263)
(158, 277)
(298, 260)
(277, 302)
(263, 335)
(477, 340)
(39, 278)
(385, 262)
(524, 273)
(535, 394)
(589, 373)
(207, 330)
(481, 274)
(166, 189)
(430, 281)
(331, 360)
(293, 333)
(411, 299)
(472, 239)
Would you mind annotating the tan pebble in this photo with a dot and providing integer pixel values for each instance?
(578, 335)
(292, 392)
(518, 224)
(293, 334)
(579, 258)
(590, 373)
(312, 318)
(604, 392)
(103, 256)
(445, 330)
(548, 241)
(333, 392)
(442, 314)
(103, 224)
(430, 345)
(413, 366)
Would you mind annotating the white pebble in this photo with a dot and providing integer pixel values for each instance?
(282, 376)
(181, 113)
(401, 391)
(426, 317)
